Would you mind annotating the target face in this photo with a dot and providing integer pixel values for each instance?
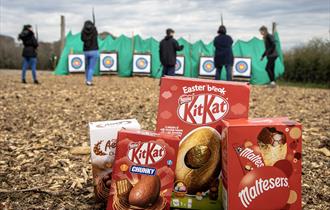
(206, 67)
(108, 62)
(242, 67)
(142, 63)
(179, 65)
(76, 63)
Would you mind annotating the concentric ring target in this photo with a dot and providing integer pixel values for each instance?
(178, 65)
(108, 61)
(76, 63)
(141, 63)
(241, 67)
(208, 66)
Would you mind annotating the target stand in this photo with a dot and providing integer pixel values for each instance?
(206, 67)
(109, 62)
(180, 65)
(76, 63)
(142, 64)
(242, 69)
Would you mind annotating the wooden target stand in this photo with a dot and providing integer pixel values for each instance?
(113, 70)
(135, 71)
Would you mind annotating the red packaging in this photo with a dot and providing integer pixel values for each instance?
(143, 174)
(192, 109)
(186, 103)
(261, 164)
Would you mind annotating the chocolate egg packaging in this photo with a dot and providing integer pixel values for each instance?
(103, 139)
(192, 109)
(143, 173)
(261, 164)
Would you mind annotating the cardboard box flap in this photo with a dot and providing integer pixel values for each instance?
(112, 124)
(176, 78)
(259, 121)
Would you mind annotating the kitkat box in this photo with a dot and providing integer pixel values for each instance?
(143, 175)
(261, 164)
(193, 109)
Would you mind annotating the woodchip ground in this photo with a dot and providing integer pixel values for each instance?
(41, 125)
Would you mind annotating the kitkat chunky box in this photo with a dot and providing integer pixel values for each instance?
(261, 164)
(103, 138)
(193, 109)
(143, 175)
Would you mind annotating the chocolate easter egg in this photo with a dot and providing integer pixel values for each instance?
(197, 156)
(146, 192)
(199, 159)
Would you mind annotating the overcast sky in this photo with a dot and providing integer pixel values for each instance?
(298, 20)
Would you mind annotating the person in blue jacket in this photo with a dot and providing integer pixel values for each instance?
(29, 52)
(89, 38)
(223, 56)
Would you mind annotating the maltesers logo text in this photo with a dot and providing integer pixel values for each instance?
(248, 194)
(146, 153)
(202, 109)
(250, 155)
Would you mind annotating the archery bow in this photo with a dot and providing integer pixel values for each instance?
(93, 14)
(37, 35)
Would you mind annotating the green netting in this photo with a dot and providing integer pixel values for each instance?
(192, 52)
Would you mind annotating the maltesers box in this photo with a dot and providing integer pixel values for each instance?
(143, 175)
(103, 139)
(261, 164)
(193, 109)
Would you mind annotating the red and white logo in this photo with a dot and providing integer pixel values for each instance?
(146, 153)
(202, 109)
(259, 188)
(249, 154)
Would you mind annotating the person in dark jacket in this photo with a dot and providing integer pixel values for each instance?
(89, 37)
(223, 55)
(167, 52)
(270, 53)
(29, 52)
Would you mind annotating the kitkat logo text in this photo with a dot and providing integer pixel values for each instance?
(145, 153)
(202, 109)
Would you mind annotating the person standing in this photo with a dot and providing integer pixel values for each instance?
(89, 38)
(29, 52)
(167, 52)
(223, 55)
(270, 53)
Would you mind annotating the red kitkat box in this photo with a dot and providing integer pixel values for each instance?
(261, 164)
(187, 103)
(193, 109)
(143, 174)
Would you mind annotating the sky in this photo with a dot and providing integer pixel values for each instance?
(298, 21)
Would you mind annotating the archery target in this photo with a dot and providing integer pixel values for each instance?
(108, 62)
(142, 63)
(242, 67)
(179, 65)
(206, 66)
(76, 63)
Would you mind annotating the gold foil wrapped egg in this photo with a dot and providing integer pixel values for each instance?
(197, 156)
(199, 159)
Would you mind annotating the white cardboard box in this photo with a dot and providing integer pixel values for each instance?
(103, 138)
